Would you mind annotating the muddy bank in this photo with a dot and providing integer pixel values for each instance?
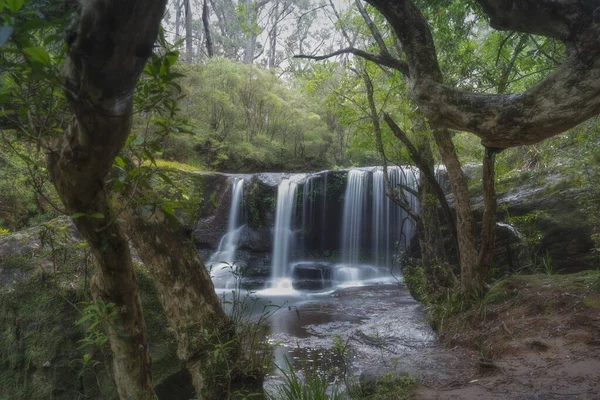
(534, 337)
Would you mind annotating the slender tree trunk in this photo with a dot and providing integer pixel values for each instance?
(177, 20)
(424, 161)
(488, 230)
(435, 263)
(433, 254)
(209, 43)
(250, 48)
(250, 16)
(100, 81)
(189, 43)
(273, 39)
(469, 258)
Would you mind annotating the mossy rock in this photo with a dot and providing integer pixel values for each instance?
(40, 350)
(592, 301)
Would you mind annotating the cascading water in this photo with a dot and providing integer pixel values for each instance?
(366, 231)
(323, 212)
(390, 224)
(283, 236)
(223, 259)
(355, 209)
(378, 200)
(307, 212)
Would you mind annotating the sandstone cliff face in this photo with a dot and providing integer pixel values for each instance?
(546, 205)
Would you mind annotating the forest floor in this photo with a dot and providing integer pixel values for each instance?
(533, 337)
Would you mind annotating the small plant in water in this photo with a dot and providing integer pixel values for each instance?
(311, 386)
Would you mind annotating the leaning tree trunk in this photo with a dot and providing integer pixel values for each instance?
(192, 307)
(467, 245)
(99, 81)
(435, 265)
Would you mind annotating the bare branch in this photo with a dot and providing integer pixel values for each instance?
(380, 59)
(428, 172)
(374, 30)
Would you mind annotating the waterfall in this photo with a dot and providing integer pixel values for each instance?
(355, 209)
(282, 241)
(307, 213)
(324, 212)
(390, 224)
(222, 260)
(378, 200)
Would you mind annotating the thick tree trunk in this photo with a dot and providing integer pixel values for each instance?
(100, 80)
(192, 307)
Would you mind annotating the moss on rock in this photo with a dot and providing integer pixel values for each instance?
(40, 351)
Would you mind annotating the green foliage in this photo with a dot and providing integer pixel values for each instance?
(97, 317)
(531, 239)
(414, 278)
(26, 195)
(245, 119)
(444, 308)
(388, 387)
(312, 385)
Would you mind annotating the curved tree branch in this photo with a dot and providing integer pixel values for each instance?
(373, 28)
(386, 61)
(566, 20)
(562, 100)
(429, 175)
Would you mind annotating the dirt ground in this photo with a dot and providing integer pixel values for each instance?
(535, 337)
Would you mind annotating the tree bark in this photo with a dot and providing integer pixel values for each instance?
(251, 16)
(189, 42)
(467, 245)
(426, 168)
(436, 266)
(209, 43)
(191, 305)
(273, 37)
(177, 19)
(105, 60)
(488, 230)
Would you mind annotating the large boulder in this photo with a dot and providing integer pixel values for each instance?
(552, 204)
(312, 275)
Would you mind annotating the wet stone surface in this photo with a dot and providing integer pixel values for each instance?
(381, 326)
